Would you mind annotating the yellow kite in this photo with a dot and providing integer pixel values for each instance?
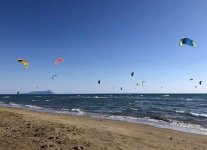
(24, 62)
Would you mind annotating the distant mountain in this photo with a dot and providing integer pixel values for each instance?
(40, 92)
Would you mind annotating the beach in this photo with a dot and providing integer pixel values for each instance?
(22, 129)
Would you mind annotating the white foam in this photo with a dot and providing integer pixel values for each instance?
(15, 105)
(47, 100)
(134, 109)
(33, 107)
(198, 115)
(72, 111)
(6, 97)
(174, 125)
(166, 95)
(180, 111)
(63, 109)
(78, 111)
(95, 97)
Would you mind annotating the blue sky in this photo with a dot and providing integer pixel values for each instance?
(104, 40)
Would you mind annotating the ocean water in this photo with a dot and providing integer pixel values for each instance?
(183, 112)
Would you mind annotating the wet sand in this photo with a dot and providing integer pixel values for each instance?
(30, 130)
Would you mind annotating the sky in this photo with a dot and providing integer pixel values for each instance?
(103, 40)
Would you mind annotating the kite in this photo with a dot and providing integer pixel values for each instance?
(53, 77)
(59, 60)
(99, 81)
(191, 79)
(200, 82)
(187, 41)
(24, 62)
(121, 88)
(143, 83)
(132, 74)
(137, 84)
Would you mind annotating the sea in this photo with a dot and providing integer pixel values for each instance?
(181, 112)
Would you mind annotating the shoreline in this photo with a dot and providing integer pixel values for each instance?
(44, 130)
(175, 126)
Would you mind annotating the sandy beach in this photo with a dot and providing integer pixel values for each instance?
(26, 129)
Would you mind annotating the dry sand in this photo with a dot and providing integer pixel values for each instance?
(30, 130)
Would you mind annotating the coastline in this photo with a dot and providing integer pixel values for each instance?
(27, 129)
(177, 126)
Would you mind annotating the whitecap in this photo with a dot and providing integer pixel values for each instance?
(6, 97)
(134, 109)
(180, 111)
(198, 115)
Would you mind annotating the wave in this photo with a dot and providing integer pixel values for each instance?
(47, 100)
(74, 110)
(63, 109)
(189, 99)
(180, 111)
(187, 125)
(166, 95)
(123, 117)
(33, 107)
(97, 97)
(198, 115)
(33, 100)
(6, 97)
(92, 97)
(155, 98)
(162, 118)
(134, 109)
(171, 124)
(14, 104)
(78, 111)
